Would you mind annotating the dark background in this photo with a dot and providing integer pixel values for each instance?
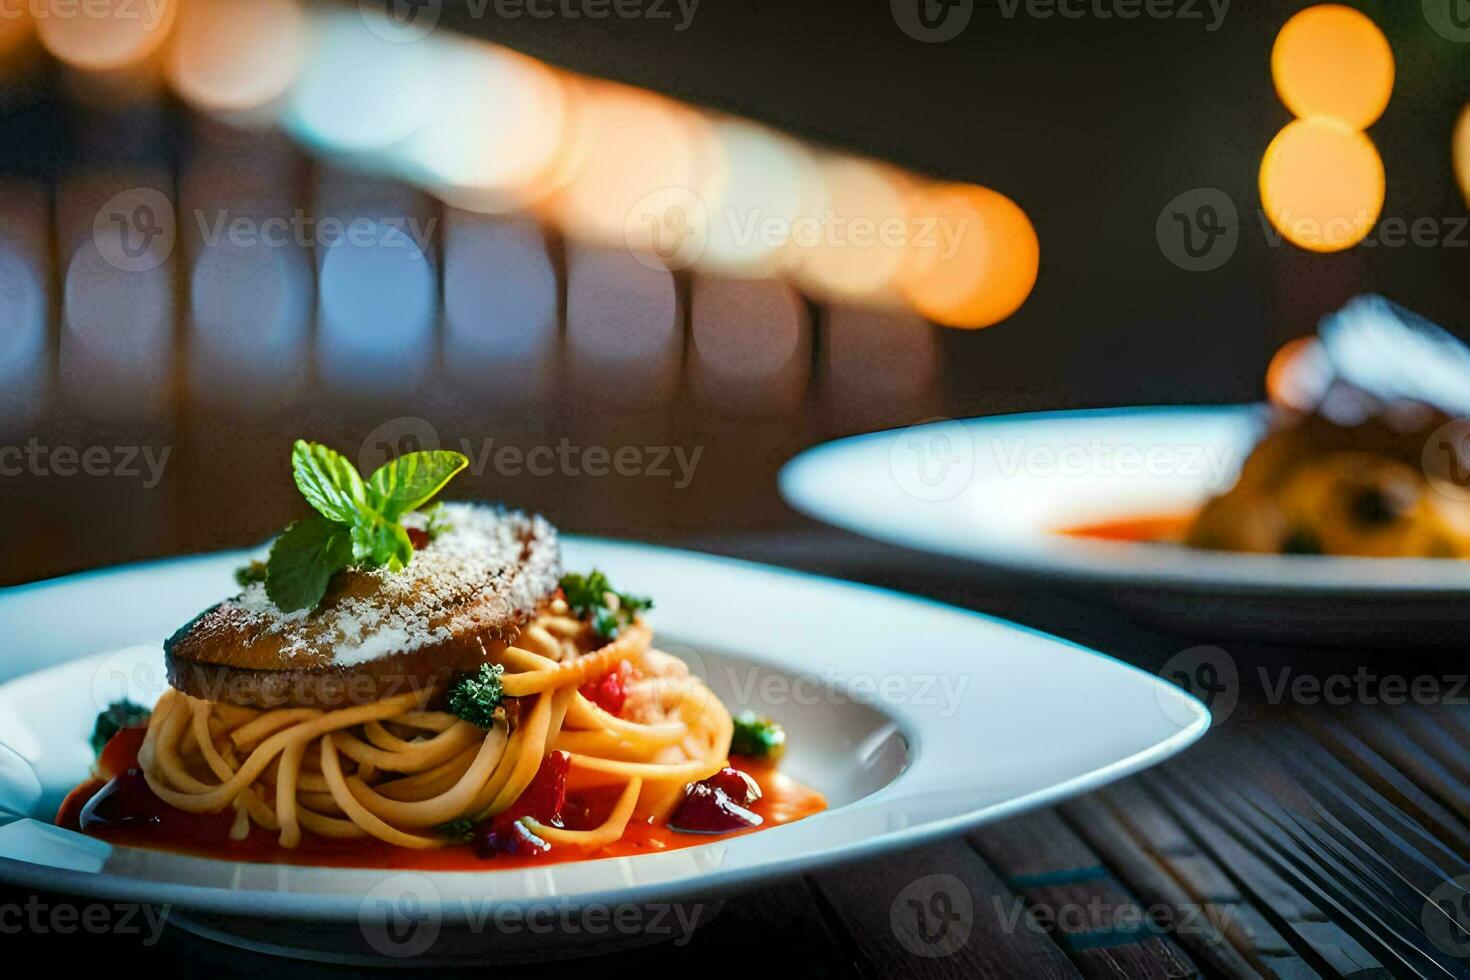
(1092, 125)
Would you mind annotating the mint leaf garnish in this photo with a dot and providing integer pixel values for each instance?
(355, 522)
(328, 481)
(410, 481)
(304, 559)
(377, 542)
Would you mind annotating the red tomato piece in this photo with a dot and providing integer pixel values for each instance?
(610, 691)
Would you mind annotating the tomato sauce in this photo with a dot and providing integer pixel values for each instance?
(1170, 528)
(117, 806)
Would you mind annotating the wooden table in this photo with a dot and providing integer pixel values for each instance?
(1310, 834)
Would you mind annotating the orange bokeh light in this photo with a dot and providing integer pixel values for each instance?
(1322, 184)
(979, 264)
(854, 245)
(15, 26)
(1331, 60)
(1461, 152)
(1298, 374)
(236, 55)
(107, 36)
(629, 147)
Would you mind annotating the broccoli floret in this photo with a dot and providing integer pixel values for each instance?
(119, 715)
(757, 737)
(474, 697)
(588, 596)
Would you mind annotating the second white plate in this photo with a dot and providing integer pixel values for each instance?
(1000, 491)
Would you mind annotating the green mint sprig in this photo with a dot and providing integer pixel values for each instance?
(356, 521)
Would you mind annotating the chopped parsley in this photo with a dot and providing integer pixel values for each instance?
(757, 737)
(593, 598)
(474, 697)
(460, 831)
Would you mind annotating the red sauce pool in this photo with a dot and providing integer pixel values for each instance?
(1164, 528)
(136, 818)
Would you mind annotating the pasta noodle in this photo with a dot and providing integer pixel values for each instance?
(395, 768)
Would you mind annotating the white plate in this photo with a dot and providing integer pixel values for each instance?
(999, 490)
(916, 719)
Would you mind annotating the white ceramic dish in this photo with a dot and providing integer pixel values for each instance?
(999, 490)
(916, 719)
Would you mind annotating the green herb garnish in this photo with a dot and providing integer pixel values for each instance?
(437, 523)
(757, 737)
(460, 831)
(474, 697)
(356, 521)
(119, 715)
(593, 598)
(249, 574)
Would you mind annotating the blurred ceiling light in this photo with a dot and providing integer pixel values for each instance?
(642, 170)
(379, 302)
(502, 311)
(495, 130)
(974, 258)
(1461, 152)
(104, 35)
(250, 322)
(624, 331)
(234, 56)
(1332, 60)
(361, 92)
(749, 344)
(1322, 184)
(854, 246)
(770, 183)
(25, 349)
(23, 313)
(117, 335)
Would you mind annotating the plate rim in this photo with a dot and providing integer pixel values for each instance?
(345, 907)
(1136, 565)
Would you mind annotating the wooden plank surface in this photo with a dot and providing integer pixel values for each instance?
(937, 912)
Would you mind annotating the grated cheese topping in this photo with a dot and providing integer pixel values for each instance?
(489, 565)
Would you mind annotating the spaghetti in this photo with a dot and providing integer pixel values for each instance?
(395, 769)
(398, 679)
